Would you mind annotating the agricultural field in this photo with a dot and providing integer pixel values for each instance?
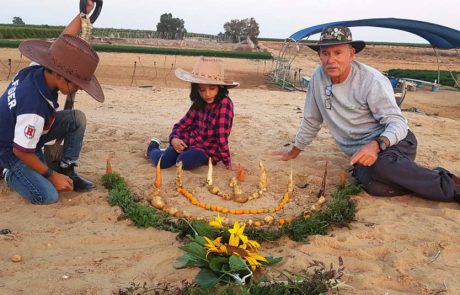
(87, 246)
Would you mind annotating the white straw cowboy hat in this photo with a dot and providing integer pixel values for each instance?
(69, 56)
(335, 36)
(207, 70)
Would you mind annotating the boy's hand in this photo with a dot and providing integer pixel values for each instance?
(61, 182)
(89, 6)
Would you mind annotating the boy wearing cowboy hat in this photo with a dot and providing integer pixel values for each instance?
(358, 105)
(204, 130)
(28, 116)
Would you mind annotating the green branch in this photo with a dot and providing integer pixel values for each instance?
(340, 211)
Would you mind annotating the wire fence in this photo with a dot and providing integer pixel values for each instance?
(283, 73)
(150, 70)
(145, 71)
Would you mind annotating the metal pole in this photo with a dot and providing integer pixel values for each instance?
(437, 60)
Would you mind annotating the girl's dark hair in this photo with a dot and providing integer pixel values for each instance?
(198, 103)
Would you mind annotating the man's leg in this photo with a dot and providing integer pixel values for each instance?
(69, 125)
(31, 185)
(396, 173)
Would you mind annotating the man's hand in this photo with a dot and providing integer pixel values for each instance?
(178, 144)
(367, 154)
(61, 182)
(287, 155)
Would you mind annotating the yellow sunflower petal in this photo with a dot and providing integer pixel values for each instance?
(234, 240)
(217, 222)
(253, 244)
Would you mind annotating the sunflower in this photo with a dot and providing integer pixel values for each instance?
(215, 246)
(236, 234)
(217, 223)
(253, 259)
(251, 244)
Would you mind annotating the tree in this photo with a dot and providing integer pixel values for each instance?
(18, 21)
(241, 29)
(171, 27)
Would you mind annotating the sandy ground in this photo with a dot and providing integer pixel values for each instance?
(401, 245)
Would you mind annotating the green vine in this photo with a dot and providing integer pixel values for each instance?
(340, 211)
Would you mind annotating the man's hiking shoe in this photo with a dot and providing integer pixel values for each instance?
(455, 178)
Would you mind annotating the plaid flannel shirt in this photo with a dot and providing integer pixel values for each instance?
(207, 130)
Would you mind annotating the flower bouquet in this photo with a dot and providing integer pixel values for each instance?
(224, 255)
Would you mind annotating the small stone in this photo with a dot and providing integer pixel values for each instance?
(16, 258)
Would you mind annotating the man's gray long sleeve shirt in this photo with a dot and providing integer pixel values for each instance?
(356, 111)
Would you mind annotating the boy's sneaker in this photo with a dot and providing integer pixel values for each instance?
(3, 172)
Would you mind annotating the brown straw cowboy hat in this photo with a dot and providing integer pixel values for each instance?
(207, 70)
(335, 36)
(69, 56)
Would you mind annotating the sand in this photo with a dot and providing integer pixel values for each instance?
(400, 245)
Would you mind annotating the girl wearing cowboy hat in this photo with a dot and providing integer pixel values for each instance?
(29, 116)
(204, 130)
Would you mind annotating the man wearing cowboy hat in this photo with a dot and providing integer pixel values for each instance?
(28, 116)
(358, 105)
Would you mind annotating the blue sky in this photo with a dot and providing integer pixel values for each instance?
(277, 19)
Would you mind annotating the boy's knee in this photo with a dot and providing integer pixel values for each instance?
(47, 199)
(80, 118)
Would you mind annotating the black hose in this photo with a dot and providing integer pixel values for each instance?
(96, 11)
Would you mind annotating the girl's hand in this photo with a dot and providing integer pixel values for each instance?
(178, 145)
(231, 167)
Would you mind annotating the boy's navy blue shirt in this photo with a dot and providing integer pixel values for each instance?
(27, 110)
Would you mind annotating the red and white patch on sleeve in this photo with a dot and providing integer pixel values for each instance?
(29, 131)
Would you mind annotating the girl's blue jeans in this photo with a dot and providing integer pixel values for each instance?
(191, 158)
(69, 125)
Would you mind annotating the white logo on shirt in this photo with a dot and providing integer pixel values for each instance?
(12, 94)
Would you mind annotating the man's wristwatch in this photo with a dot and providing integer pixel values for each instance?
(381, 143)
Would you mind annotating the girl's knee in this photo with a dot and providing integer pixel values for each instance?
(166, 165)
(189, 164)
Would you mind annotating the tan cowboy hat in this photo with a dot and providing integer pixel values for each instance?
(69, 56)
(207, 70)
(335, 36)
